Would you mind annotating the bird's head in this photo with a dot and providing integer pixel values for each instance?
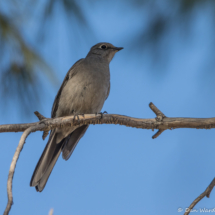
(104, 50)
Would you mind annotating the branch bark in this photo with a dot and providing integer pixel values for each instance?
(13, 166)
(201, 196)
(160, 122)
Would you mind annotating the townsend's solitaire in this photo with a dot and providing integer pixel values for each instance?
(83, 91)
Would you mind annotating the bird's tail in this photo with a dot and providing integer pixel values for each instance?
(46, 162)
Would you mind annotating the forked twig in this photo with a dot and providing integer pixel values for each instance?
(159, 118)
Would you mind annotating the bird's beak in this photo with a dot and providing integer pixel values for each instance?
(118, 48)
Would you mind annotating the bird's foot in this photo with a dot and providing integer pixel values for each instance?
(102, 113)
(76, 115)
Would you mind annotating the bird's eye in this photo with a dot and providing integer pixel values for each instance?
(103, 46)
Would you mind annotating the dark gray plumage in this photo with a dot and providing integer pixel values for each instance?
(83, 91)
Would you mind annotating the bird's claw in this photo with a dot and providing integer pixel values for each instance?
(76, 115)
(102, 113)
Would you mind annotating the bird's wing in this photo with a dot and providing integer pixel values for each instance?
(72, 140)
(69, 75)
(108, 91)
(52, 149)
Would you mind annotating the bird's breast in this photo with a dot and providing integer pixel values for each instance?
(84, 93)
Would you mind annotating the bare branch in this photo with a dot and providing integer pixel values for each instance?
(13, 165)
(161, 122)
(200, 197)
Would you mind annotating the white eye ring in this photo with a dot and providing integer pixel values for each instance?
(103, 46)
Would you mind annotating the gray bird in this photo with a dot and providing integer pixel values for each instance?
(83, 91)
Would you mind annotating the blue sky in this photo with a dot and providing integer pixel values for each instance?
(116, 169)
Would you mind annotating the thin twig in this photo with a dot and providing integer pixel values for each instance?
(45, 134)
(39, 115)
(156, 110)
(51, 212)
(160, 131)
(13, 166)
(200, 197)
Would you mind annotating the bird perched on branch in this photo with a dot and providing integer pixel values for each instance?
(83, 91)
